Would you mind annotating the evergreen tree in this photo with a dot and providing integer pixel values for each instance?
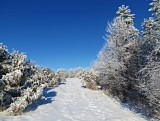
(149, 81)
(116, 57)
(155, 9)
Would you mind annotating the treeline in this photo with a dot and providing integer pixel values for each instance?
(21, 81)
(128, 66)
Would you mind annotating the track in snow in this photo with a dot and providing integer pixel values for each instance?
(71, 102)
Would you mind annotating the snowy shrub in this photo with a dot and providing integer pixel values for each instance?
(12, 78)
(21, 81)
(89, 79)
(4, 55)
(28, 96)
(73, 72)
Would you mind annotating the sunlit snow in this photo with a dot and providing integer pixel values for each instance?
(71, 102)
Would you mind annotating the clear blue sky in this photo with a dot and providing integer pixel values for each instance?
(61, 33)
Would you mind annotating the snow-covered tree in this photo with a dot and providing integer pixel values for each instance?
(115, 58)
(150, 34)
(151, 28)
(155, 9)
(149, 82)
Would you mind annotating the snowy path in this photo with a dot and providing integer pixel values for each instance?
(71, 102)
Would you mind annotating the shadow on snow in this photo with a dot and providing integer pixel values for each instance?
(61, 83)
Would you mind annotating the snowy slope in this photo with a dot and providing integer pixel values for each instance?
(71, 102)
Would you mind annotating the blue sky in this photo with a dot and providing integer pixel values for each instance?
(61, 33)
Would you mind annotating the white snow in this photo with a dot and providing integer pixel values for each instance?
(71, 102)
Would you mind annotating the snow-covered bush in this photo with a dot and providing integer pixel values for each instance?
(22, 82)
(61, 75)
(73, 72)
(89, 79)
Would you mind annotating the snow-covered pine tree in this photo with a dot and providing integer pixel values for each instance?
(155, 9)
(150, 28)
(130, 53)
(114, 59)
(150, 81)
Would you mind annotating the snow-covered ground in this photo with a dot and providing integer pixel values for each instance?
(71, 102)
